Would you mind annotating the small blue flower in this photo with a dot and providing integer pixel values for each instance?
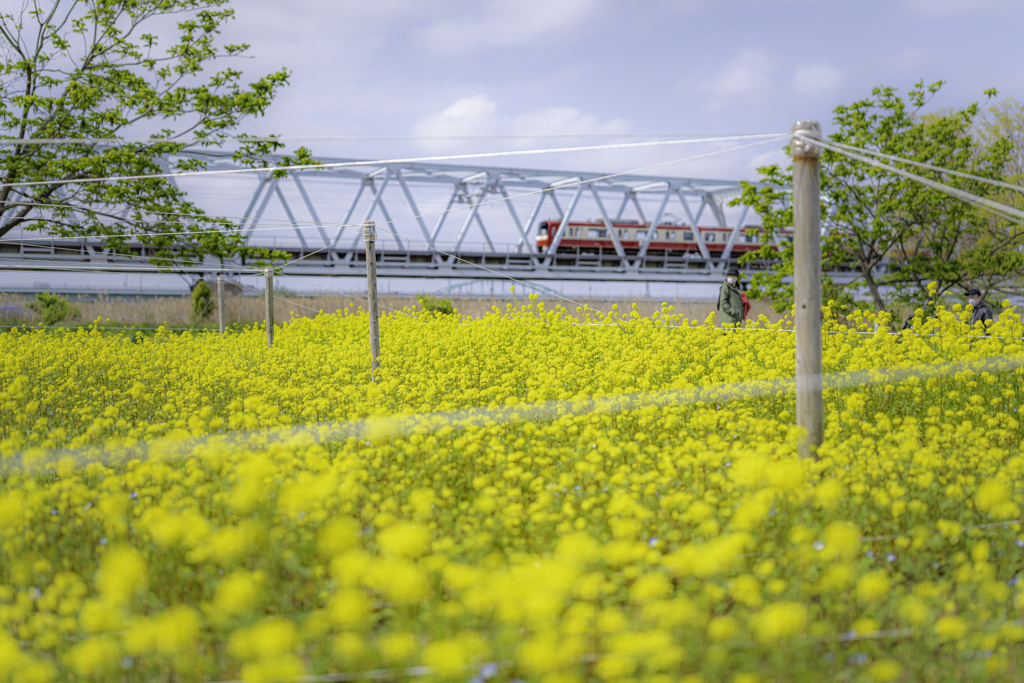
(870, 554)
(891, 557)
(818, 545)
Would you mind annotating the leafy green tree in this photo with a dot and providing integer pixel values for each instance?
(896, 234)
(53, 308)
(1004, 120)
(203, 304)
(87, 70)
(436, 305)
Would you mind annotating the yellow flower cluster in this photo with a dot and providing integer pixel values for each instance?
(158, 521)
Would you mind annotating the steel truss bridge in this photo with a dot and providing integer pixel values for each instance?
(437, 246)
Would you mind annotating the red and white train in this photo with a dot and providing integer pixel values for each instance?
(631, 234)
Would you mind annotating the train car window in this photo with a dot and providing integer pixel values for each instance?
(670, 234)
(622, 233)
(710, 237)
(640, 234)
(688, 236)
(543, 230)
(595, 233)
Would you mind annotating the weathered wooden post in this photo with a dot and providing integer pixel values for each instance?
(221, 315)
(268, 273)
(370, 238)
(810, 408)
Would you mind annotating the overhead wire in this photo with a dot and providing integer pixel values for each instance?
(1002, 210)
(347, 138)
(111, 255)
(87, 268)
(504, 199)
(286, 223)
(381, 162)
(398, 425)
(526, 194)
(290, 223)
(931, 167)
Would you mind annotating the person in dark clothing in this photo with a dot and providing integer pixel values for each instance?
(981, 312)
(731, 301)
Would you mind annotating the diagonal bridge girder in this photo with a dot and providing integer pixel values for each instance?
(428, 242)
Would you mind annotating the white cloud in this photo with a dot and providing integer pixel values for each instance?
(951, 8)
(476, 115)
(479, 115)
(816, 79)
(910, 59)
(749, 76)
(505, 24)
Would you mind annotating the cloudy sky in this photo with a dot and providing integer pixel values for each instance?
(437, 67)
(595, 67)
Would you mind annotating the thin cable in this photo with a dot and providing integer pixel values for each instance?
(394, 426)
(29, 327)
(86, 268)
(114, 268)
(489, 270)
(381, 162)
(110, 220)
(350, 296)
(525, 194)
(342, 138)
(102, 256)
(552, 189)
(931, 167)
(981, 202)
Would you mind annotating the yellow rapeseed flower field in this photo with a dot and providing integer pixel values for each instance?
(537, 495)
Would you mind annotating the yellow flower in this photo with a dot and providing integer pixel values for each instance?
(94, 656)
(650, 586)
(238, 593)
(950, 628)
(914, 610)
(885, 670)
(842, 539)
(994, 498)
(397, 647)
(780, 620)
(122, 574)
(721, 629)
(873, 586)
(349, 608)
(407, 540)
(338, 536)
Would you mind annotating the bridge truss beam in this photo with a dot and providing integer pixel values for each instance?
(420, 251)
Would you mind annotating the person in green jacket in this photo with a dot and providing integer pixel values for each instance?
(730, 299)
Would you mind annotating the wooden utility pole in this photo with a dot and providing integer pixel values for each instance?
(221, 315)
(268, 273)
(810, 408)
(370, 238)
